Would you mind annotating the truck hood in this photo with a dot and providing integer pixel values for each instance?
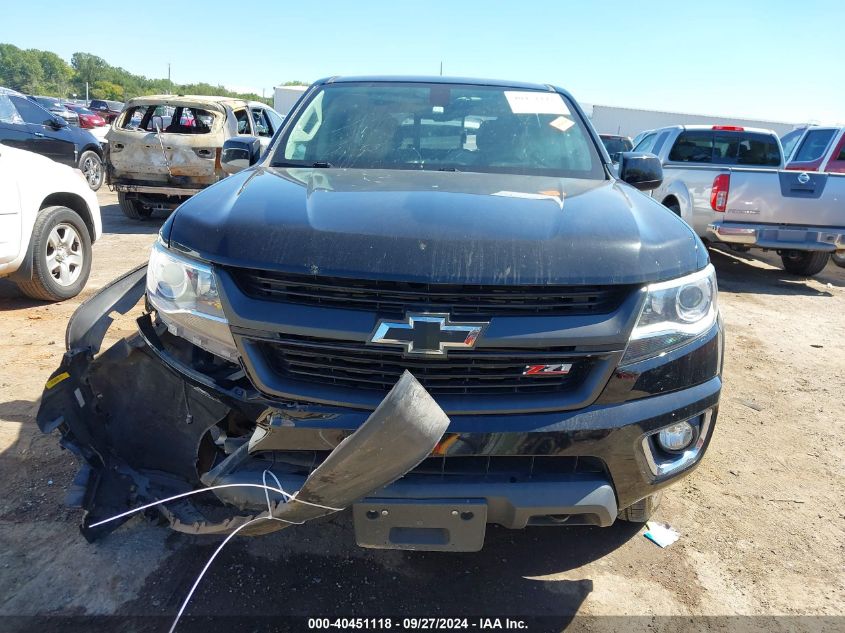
(437, 227)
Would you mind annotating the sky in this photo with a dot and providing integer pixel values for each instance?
(776, 60)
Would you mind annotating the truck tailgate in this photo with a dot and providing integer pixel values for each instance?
(763, 196)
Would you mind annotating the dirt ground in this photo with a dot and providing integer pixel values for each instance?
(762, 521)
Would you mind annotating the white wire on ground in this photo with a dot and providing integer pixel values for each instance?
(267, 489)
(211, 560)
(286, 495)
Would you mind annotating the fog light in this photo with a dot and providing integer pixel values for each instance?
(676, 437)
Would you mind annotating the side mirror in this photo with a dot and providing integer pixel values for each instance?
(57, 123)
(240, 153)
(640, 170)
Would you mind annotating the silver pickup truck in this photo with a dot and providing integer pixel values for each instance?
(728, 183)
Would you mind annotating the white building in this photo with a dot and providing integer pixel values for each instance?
(285, 96)
(630, 122)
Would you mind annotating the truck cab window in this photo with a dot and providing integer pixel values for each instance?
(813, 146)
(693, 147)
(646, 144)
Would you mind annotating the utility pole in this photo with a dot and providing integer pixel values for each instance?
(86, 92)
(169, 83)
(441, 68)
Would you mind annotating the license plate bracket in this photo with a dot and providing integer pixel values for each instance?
(423, 525)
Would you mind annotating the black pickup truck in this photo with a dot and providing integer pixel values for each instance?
(431, 300)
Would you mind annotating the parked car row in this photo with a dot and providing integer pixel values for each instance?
(106, 109)
(51, 104)
(26, 125)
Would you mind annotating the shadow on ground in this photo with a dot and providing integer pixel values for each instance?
(17, 411)
(11, 298)
(752, 274)
(115, 222)
(318, 571)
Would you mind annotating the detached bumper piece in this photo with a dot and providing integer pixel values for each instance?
(774, 237)
(138, 428)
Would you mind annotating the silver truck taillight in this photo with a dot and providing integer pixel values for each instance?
(719, 192)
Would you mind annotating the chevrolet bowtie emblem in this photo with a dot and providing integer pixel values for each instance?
(427, 334)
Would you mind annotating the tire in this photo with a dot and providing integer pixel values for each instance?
(641, 511)
(131, 208)
(838, 258)
(675, 208)
(91, 167)
(61, 255)
(804, 263)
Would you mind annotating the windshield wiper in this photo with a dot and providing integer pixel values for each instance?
(318, 164)
(448, 169)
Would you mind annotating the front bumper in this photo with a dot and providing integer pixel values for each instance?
(779, 237)
(148, 421)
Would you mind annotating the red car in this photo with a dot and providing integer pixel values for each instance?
(106, 109)
(87, 118)
(819, 149)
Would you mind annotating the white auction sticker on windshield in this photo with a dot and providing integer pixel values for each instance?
(532, 102)
(562, 123)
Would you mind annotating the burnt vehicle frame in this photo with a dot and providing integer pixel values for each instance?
(165, 148)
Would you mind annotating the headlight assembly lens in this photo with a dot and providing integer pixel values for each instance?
(675, 313)
(184, 293)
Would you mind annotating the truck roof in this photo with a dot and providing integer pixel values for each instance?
(720, 128)
(437, 79)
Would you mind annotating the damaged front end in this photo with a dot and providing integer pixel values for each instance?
(153, 417)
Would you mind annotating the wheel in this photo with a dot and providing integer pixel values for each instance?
(805, 263)
(61, 255)
(641, 511)
(839, 258)
(92, 168)
(674, 207)
(132, 208)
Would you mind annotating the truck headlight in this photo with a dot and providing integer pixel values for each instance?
(675, 313)
(184, 293)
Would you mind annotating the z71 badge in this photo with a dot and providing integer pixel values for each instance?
(560, 369)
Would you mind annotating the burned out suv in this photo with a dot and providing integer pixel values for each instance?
(164, 149)
(430, 300)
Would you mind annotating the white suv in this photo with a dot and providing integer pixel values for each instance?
(49, 218)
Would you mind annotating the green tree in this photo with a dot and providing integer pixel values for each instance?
(44, 72)
(57, 72)
(88, 69)
(20, 70)
(107, 90)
